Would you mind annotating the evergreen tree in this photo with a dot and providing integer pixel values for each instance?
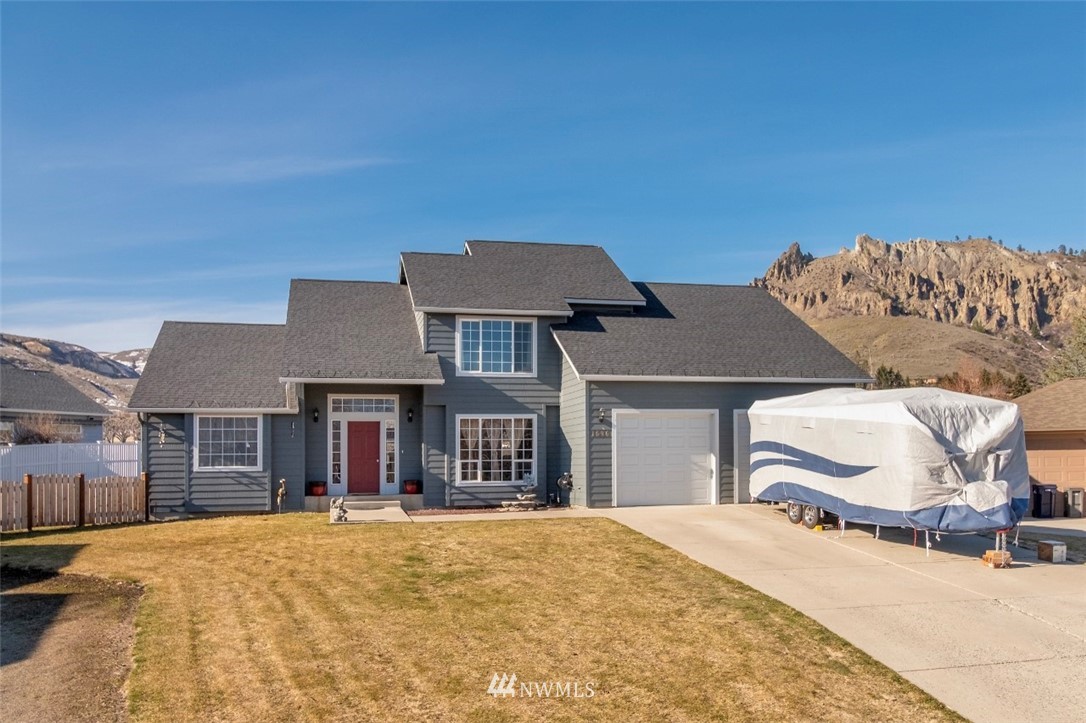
(1019, 386)
(889, 378)
(1070, 361)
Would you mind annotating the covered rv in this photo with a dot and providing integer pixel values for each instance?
(923, 458)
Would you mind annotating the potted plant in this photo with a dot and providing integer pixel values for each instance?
(317, 489)
(412, 486)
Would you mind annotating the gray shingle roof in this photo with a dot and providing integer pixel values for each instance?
(502, 275)
(197, 365)
(353, 330)
(1059, 407)
(693, 330)
(34, 390)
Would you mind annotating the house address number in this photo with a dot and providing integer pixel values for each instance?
(601, 432)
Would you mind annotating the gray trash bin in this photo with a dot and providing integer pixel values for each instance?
(1076, 499)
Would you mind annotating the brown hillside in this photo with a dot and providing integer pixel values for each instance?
(106, 381)
(922, 349)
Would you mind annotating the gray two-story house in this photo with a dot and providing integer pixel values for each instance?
(480, 375)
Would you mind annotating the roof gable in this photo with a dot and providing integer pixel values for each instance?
(517, 277)
(705, 332)
(353, 330)
(33, 390)
(196, 365)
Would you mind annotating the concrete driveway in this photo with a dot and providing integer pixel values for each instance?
(994, 645)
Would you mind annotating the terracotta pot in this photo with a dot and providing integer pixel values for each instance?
(412, 487)
(318, 490)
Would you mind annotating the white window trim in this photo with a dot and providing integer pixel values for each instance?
(535, 450)
(385, 488)
(535, 347)
(196, 467)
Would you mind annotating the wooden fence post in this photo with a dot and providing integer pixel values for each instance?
(81, 516)
(146, 497)
(28, 481)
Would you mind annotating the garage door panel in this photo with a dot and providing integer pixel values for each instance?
(1057, 460)
(663, 458)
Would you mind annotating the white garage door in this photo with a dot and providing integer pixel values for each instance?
(663, 458)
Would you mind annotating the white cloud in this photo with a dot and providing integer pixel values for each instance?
(114, 324)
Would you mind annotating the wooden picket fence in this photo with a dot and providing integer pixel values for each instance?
(58, 500)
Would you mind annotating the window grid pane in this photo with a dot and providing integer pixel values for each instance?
(337, 441)
(363, 405)
(496, 346)
(496, 449)
(469, 345)
(229, 442)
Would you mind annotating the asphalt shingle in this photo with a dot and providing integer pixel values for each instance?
(691, 330)
(196, 365)
(1059, 407)
(500, 275)
(353, 330)
(42, 391)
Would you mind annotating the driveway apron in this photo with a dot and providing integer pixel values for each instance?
(994, 645)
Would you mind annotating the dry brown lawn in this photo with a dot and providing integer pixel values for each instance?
(288, 618)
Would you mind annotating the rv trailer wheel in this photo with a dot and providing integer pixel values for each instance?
(795, 513)
(811, 516)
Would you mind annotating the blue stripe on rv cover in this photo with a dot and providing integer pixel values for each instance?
(802, 459)
(945, 518)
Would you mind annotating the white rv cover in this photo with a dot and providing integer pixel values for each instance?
(922, 458)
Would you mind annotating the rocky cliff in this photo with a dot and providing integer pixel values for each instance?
(962, 283)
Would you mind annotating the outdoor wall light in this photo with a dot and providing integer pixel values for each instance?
(601, 415)
(410, 415)
(316, 414)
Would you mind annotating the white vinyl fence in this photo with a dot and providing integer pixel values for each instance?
(90, 460)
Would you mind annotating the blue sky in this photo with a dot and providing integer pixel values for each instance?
(184, 161)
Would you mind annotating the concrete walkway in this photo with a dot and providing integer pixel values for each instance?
(994, 645)
(496, 516)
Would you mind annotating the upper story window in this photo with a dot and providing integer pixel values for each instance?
(496, 346)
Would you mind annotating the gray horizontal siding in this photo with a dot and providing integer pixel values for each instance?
(435, 456)
(166, 463)
(229, 492)
(288, 457)
(557, 451)
(572, 422)
(725, 398)
(493, 395)
(477, 394)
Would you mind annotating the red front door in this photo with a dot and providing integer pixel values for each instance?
(363, 457)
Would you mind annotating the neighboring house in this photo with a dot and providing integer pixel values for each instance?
(481, 374)
(1055, 422)
(32, 393)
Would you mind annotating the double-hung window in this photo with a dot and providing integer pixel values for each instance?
(496, 450)
(496, 346)
(228, 442)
